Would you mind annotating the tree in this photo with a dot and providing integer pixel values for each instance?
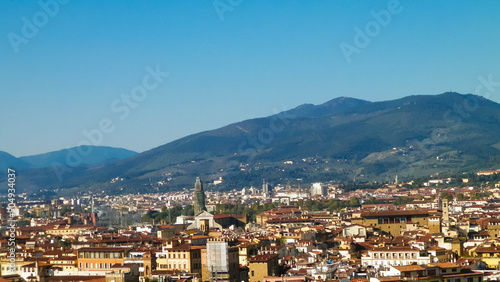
(402, 201)
(460, 197)
(354, 202)
(65, 210)
(446, 195)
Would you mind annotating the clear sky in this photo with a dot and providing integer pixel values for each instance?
(65, 67)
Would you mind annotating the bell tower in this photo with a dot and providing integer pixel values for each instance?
(199, 197)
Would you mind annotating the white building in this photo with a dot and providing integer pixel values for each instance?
(318, 189)
(394, 256)
(354, 230)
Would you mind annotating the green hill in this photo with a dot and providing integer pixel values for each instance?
(341, 140)
(86, 155)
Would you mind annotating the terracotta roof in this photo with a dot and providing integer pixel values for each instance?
(396, 249)
(409, 268)
(445, 265)
(73, 278)
(122, 265)
(102, 249)
(389, 279)
(398, 212)
(487, 250)
(262, 258)
(218, 216)
(462, 274)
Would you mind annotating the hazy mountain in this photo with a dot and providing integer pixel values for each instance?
(9, 161)
(344, 139)
(82, 155)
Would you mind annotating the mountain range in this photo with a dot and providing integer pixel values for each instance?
(342, 140)
(87, 155)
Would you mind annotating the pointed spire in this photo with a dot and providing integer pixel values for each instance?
(199, 197)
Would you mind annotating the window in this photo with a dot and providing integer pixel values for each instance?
(80, 265)
(86, 265)
(253, 274)
(184, 255)
(100, 265)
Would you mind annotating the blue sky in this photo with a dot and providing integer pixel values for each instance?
(254, 59)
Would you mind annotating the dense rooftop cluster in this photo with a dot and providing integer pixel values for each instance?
(325, 233)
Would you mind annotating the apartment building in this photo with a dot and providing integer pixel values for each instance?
(99, 258)
(392, 256)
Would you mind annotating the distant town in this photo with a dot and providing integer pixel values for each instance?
(443, 231)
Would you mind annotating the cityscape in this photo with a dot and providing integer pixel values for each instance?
(446, 230)
(250, 141)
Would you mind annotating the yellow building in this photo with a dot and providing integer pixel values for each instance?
(394, 221)
(435, 272)
(261, 266)
(5, 266)
(493, 227)
(66, 229)
(246, 250)
(66, 264)
(98, 258)
(277, 213)
(181, 257)
(434, 224)
(488, 254)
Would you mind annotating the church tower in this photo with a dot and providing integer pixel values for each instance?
(445, 216)
(446, 210)
(199, 197)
